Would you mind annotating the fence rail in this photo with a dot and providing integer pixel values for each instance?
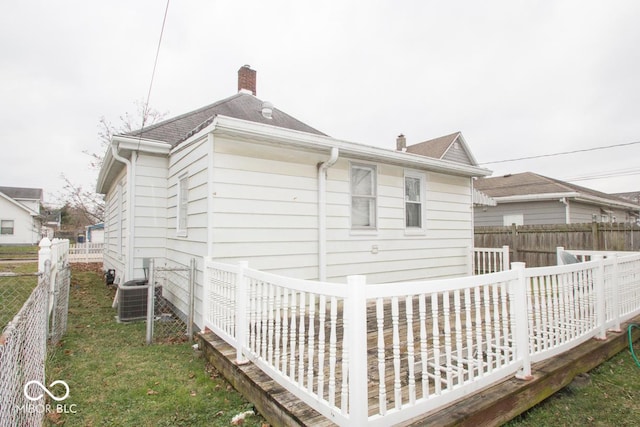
(23, 341)
(412, 347)
(86, 252)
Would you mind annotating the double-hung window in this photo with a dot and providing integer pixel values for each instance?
(414, 200)
(6, 226)
(363, 196)
(183, 203)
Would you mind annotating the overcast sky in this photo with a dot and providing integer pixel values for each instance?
(517, 78)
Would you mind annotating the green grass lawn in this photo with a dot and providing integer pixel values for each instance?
(117, 380)
(15, 290)
(609, 395)
(19, 252)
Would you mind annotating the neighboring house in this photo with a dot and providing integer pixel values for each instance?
(528, 199)
(95, 233)
(242, 180)
(20, 222)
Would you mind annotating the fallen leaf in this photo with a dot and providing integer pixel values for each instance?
(150, 392)
(193, 393)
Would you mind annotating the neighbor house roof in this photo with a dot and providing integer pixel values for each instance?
(242, 106)
(529, 186)
(20, 193)
(449, 147)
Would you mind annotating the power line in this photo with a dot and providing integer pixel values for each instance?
(155, 63)
(561, 153)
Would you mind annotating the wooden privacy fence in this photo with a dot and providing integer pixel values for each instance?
(536, 245)
(381, 354)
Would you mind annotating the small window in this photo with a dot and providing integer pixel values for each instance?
(414, 199)
(363, 196)
(6, 226)
(183, 203)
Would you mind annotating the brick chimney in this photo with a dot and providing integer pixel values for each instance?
(247, 79)
(401, 143)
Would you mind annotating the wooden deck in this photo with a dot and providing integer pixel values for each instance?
(494, 405)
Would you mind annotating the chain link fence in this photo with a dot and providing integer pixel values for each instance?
(172, 319)
(33, 308)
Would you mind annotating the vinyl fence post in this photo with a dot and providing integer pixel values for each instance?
(150, 301)
(601, 313)
(615, 297)
(44, 253)
(357, 344)
(518, 291)
(505, 258)
(559, 250)
(241, 313)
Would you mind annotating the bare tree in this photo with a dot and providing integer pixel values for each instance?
(87, 204)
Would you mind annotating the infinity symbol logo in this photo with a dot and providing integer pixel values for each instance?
(39, 384)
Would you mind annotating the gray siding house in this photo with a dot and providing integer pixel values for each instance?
(531, 199)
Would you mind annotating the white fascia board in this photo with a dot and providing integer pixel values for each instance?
(223, 125)
(534, 197)
(127, 145)
(607, 202)
(576, 196)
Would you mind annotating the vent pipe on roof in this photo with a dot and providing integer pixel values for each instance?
(267, 110)
(401, 143)
(247, 80)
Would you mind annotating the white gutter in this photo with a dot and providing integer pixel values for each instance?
(128, 273)
(210, 165)
(322, 213)
(286, 137)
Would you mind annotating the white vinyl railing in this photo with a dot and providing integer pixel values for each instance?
(489, 260)
(380, 354)
(86, 252)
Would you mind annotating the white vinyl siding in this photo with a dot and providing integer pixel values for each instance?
(183, 205)
(363, 197)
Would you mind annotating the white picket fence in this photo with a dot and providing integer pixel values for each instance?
(427, 343)
(86, 252)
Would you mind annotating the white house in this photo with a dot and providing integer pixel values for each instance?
(20, 222)
(242, 180)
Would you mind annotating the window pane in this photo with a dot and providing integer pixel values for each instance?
(414, 217)
(361, 181)
(362, 212)
(412, 189)
(6, 227)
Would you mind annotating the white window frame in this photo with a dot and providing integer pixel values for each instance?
(182, 206)
(2, 227)
(422, 200)
(373, 216)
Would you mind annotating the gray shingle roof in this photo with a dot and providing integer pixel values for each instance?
(435, 148)
(17, 193)
(240, 106)
(521, 184)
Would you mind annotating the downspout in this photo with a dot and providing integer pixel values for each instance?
(567, 211)
(210, 165)
(322, 213)
(128, 273)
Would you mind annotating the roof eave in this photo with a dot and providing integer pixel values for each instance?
(223, 125)
(126, 145)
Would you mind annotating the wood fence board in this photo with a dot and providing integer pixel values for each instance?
(536, 245)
